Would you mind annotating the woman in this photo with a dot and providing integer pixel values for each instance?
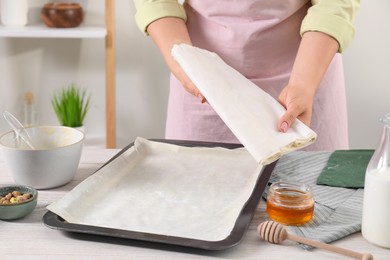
(289, 48)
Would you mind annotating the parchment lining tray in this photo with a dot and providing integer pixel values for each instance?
(54, 221)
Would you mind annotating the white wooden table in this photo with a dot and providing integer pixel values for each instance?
(29, 238)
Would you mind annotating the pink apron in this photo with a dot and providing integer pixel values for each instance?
(260, 39)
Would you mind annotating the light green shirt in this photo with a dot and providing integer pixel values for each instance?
(333, 17)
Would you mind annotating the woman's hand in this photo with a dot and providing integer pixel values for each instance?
(299, 103)
(314, 55)
(166, 32)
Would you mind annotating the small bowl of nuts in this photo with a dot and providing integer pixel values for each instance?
(17, 201)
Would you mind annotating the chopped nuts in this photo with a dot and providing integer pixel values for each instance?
(16, 193)
(14, 197)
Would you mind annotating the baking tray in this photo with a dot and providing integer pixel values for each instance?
(54, 221)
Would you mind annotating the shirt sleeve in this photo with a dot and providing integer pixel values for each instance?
(333, 17)
(148, 11)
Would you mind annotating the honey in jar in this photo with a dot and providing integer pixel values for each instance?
(290, 203)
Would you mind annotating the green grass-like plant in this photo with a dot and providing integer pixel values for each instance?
(71, 105)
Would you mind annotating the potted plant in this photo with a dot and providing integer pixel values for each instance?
(71, 105)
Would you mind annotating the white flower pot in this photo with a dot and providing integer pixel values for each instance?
(14, 12)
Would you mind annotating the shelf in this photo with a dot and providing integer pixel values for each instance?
(42, 31)
(106, 32)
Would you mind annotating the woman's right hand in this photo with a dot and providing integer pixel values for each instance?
(165, 33)
(186, 81)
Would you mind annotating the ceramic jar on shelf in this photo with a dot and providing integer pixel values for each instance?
(62, 14)
(14, 12)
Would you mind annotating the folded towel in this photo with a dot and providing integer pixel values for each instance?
(249, 112)
(346, 168)
(337, 211)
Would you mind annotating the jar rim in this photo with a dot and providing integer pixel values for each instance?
(281, 187)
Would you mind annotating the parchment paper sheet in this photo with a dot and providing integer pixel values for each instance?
(159, 188)
(249, 112)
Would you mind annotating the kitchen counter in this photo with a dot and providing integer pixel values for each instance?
(31, 239)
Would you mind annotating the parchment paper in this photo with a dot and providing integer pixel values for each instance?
(249, 112)
(159, 188)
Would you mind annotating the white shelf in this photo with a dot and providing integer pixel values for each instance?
(42, 31)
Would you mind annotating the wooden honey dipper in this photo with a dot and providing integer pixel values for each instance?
(276, 233)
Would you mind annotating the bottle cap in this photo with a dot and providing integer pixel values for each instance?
(29, 96)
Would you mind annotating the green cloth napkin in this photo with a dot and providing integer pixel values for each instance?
(345, 168)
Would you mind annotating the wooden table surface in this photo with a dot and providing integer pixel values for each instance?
(29, 238)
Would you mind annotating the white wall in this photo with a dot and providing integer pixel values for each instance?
(367, 72)
(44, 65)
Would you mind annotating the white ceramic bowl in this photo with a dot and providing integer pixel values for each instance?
(53, 163)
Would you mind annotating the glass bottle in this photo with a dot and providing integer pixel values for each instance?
(30, 116)
(376, 203)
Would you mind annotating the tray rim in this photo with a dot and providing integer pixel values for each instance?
(243, 220)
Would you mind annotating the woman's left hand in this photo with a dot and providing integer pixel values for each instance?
(299, 103)
(315, 53)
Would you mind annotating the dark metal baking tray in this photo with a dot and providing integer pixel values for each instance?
(52, 220)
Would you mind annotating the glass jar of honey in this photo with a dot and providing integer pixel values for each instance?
(290, 203)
